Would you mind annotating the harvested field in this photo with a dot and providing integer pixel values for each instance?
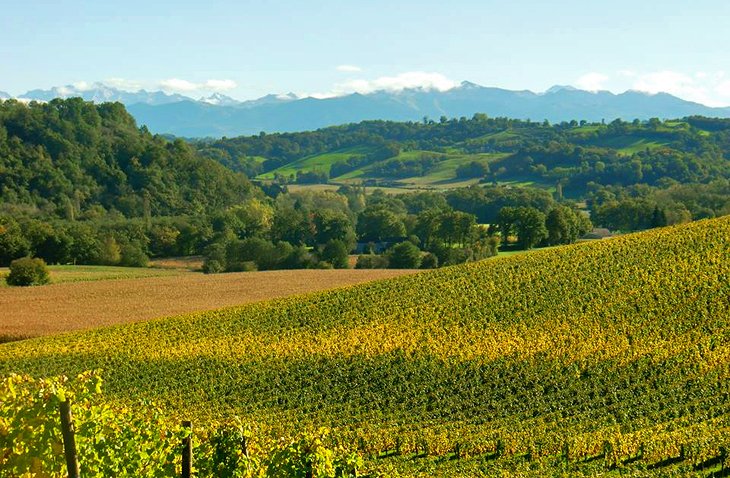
(34, 311)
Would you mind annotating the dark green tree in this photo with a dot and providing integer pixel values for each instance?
(404, 255)
(376, 224)
(335, 252)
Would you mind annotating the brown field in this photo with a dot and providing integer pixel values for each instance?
(33, 311)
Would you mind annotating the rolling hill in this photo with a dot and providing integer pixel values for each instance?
(610, 357)
(68, 156)
(418, 155)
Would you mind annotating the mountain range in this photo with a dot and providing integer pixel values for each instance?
(220, 115)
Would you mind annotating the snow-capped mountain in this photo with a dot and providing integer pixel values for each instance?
(100, 93)
(219, 99)
(220, 115)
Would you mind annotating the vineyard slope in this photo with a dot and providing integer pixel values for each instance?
(617, 349)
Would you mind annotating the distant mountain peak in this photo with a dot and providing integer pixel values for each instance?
(4, 96)
(219, 99)
(101, 93)
(467, 85)
(220, 115)
(270, 99)
(557, 88)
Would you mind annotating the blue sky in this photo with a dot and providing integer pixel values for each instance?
(250, 48)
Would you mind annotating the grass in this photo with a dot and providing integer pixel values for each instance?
(70, 273)
(317, 162)
(619, 346)
(445, 171)
(442, 176)
(150, 293)
(628, 145)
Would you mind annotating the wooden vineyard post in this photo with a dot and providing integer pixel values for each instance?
(187, 451)
(69, 441)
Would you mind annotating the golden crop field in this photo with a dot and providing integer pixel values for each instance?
(83, 301)
(609, 358)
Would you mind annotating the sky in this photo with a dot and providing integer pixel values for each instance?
(246, 49)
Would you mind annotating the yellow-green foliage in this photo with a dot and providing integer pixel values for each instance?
(612, 349)
(137, 441)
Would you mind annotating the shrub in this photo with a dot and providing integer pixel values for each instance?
(111, 253)
(215, 258)
(28, 271)
(371, 261)
(299, 258)
(429, 261)
(133, 256)
(212, 266)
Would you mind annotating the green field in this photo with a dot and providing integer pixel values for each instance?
(628, 145)
(445, 171)
(317, 162)
(605, 358)
(70, 273)
(443, 175)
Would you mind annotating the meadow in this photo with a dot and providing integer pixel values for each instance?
(442, 176)
(61, 274)
(608, 358)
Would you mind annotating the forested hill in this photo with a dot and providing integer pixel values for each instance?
(72, 158)
(448, 151)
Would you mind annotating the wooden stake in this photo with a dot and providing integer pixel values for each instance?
(187, 451)
(69, 441)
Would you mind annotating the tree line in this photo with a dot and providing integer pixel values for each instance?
(82, 184)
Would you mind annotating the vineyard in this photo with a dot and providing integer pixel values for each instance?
(608, 358)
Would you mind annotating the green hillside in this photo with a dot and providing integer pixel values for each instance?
(578, 156)
(74, 159)
(608, 358)
(316, 162)
(442, 174)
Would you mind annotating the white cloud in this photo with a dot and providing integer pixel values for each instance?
(409, 80)
(699, 88)
(723, 89)
(220, 85)
(123, 84)
(83, 85)
(664, 81)
(705, 87)
(176, 84)
(349, 68)
(592, 81)
(185, 86)
(64, 91)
